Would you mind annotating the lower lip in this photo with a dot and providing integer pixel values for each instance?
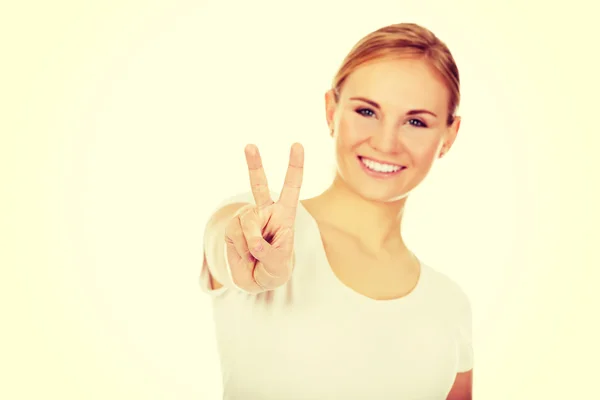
(379, 175)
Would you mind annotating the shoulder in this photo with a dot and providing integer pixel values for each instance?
(446, 290)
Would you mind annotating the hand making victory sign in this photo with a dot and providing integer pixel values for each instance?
(260, 237)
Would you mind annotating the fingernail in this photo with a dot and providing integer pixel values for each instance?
(258, 247)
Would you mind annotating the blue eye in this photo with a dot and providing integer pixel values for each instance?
(419, 123)
(365, 112)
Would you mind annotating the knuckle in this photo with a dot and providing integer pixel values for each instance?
(292, 183)
(249, 219)
(264, 204)
(229, 236)
(240, 211)
(259, 187)
(246, 211)
(232, 230)
(243, 216)
(236, 242)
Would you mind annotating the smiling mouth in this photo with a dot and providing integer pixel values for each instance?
(380, 167)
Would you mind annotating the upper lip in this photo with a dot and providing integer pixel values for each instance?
(381, 161)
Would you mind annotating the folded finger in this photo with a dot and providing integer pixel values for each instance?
(236, 238)
(251, 228)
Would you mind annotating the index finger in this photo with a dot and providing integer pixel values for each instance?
(258, 178)
(290, 194)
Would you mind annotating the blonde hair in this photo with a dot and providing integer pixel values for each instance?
(401, 40)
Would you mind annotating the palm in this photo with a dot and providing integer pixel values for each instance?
(277, 220)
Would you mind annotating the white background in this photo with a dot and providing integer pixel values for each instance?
(125, 124)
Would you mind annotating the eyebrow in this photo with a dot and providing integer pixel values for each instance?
(376, 105)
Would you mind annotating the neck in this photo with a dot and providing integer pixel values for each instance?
(375, 224)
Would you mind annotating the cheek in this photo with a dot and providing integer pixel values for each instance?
(424, 150)
(352, 131)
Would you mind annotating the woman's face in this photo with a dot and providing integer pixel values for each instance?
(389, 126)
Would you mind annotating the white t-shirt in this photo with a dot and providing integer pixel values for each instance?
(316, 339)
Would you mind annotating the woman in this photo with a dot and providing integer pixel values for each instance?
(321, 298)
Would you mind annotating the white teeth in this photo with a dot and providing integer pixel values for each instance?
(375, 166)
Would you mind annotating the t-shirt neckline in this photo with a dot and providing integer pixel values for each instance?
(347, 292)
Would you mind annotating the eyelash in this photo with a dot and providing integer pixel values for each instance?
(361, 111)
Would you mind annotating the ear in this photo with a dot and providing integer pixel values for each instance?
(450, 137)
(330, 107)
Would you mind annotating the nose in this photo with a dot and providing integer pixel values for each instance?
(386, 140)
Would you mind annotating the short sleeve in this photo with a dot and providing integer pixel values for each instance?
(465, 336)
(205, 274)
(205, 281)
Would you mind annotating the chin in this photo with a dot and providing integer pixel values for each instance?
(380, 192)
(381, 196)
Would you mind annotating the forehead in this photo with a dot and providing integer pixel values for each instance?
(399, 83)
